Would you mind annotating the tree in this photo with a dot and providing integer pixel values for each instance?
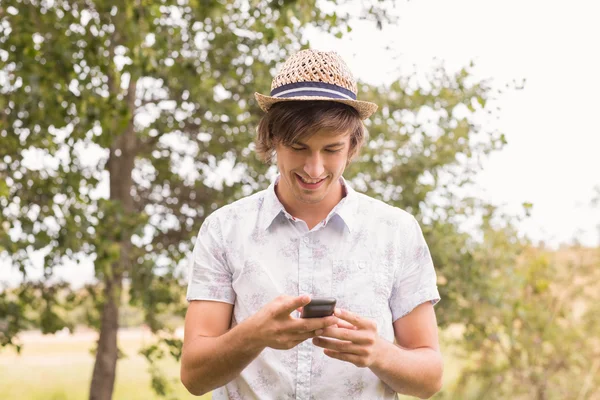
(163, 92)
(530, 330)
(540, 338)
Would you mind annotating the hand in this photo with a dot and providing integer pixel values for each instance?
(355, 340)
(274, 327)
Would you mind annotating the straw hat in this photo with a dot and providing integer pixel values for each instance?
(315, 75)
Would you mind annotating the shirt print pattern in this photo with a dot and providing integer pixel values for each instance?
(370, 256)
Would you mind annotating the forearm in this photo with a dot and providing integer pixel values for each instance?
(212, 362)
(414, 372)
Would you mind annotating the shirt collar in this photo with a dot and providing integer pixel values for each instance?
(271, 206)
(345, 209)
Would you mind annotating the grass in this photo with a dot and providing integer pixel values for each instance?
(60, 368)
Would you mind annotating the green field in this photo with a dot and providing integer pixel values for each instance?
(60, 368)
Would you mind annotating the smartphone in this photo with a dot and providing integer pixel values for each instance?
(319, 308)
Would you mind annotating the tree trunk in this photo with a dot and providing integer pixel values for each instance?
(103, 378)
(120, 166)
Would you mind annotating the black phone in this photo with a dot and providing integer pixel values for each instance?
(319, 308)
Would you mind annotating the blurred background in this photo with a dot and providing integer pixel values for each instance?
(124, 124)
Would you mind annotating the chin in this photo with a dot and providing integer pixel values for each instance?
(310, 200)
(309, 196)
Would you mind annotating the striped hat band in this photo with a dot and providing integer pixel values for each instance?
(321, 89)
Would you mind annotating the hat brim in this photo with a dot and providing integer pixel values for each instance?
(365, 108)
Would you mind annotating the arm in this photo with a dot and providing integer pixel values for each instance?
(212, 354)
(415, 365)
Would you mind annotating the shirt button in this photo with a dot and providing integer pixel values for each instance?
(305, 239)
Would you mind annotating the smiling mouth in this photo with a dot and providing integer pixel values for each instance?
(311, 184)
(311, 181)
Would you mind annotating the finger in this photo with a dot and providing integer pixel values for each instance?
(351, 358)
(312, 324)
(353, 318)
(290, 304)
(350, 335)
(301, 337)
(342, 346)
(345, 325)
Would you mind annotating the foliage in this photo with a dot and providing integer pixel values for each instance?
(539, 340)
(119, 122)
(532, 331)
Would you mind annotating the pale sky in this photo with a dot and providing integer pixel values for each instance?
(551, 159)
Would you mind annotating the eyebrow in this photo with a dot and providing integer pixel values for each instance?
(329, 145)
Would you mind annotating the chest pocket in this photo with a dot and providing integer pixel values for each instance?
(361, 286)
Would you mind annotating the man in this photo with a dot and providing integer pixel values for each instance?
(258, 261)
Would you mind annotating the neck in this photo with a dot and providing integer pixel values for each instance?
(313, 213)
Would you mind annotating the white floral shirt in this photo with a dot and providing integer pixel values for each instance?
(370, 256)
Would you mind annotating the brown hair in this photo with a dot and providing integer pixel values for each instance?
(290, 121)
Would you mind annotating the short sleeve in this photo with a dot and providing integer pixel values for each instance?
(209, 275)
(415, 280)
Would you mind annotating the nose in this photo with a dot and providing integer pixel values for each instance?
(313, 166)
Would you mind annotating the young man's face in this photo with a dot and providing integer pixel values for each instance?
(310, 169)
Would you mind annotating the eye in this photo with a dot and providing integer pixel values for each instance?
(332, 151)
(297, 148)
